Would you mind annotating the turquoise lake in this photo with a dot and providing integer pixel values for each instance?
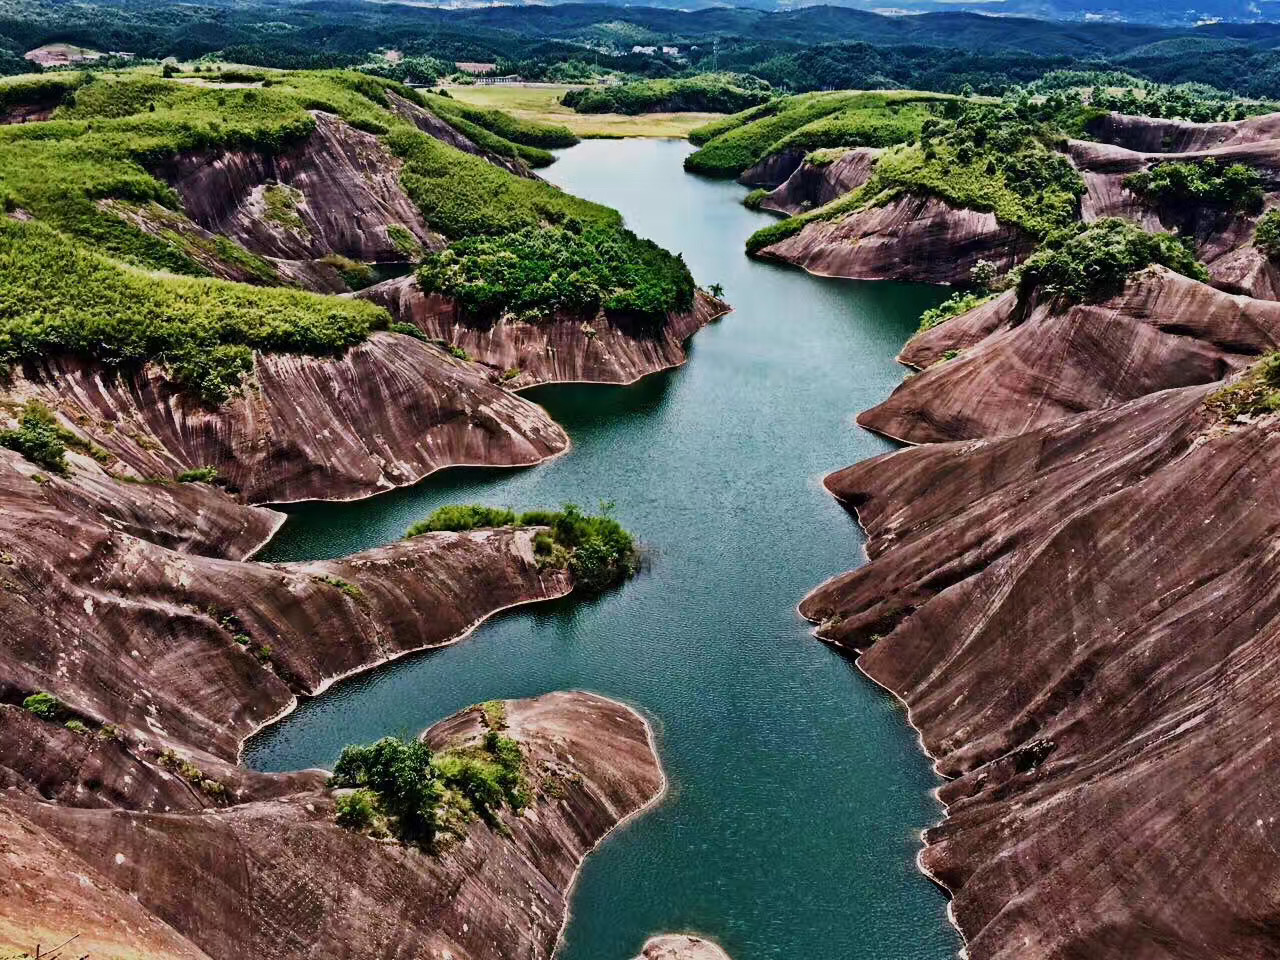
(798, 790)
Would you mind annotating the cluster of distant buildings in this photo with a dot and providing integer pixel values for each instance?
(650, 51)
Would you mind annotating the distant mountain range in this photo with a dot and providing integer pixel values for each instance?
(1157, 12)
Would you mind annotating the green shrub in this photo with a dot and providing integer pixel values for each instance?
(199, 475)
(77, 726)
(45, 706)
(402, 780)
(405, 241)
(355, 274)
(704, 93)
(755, 199)
(1254, 394)
(1267, 236)
(953, 306)
(39, 438)
(473, 516)
(1094, 263)
(356, 810)
(416, 791)
(597, 549)
(535, 272)
(1235, 187)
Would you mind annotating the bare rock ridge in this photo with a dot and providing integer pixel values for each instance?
(681, 946)
(814, 185)
(1154, 135)
(912, 238)
(1070, 584)
(1223, 238)
(288, 882)
(337, 192)
(1083, 621)
(385, 414)
(600, 348)
(1009, 366)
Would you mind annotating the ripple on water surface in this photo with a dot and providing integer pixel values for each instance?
(798, 791)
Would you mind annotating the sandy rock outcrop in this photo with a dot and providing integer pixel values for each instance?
(336, 192)
(912, 238)
(814, 185)
(277, 877)
(385, 414)
(605, 348)
(1084, 622)
(1010, 366)
(681, 946)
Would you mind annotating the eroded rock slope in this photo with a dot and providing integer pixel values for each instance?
(275, 875)
(1016, 363)
(1083, 620)
(599, 348)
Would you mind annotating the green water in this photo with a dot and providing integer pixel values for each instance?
(797, 789)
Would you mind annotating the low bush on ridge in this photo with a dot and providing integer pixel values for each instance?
(596, 549)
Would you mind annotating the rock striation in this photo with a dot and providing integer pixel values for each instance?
(1223, 238)
(913, 238)
(773, 170)
(1153, 135)
(1013, 364)
(336, 192)
(276, 876)
(385, 414)
(602, 348)
(814, 185)
(1083, 621)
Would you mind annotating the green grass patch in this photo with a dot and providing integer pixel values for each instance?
(806, 122)
(997, 158)
(953, 306)
(57, 296)
(199, 475)
(1254, 394)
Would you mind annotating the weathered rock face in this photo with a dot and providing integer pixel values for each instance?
(814, 185)
(1021, 365)
(680, 946)
(773, 170)
(387, 413)
(201, 651)
(601, 349)
(277, 876)
(918, 239)
(1223, 238)
(50, 895)
(1151, 135)
(338, 192)
(1084, 622)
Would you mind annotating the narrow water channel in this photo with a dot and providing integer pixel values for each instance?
(798, 791)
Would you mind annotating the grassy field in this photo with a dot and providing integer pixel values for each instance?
(542, 102)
